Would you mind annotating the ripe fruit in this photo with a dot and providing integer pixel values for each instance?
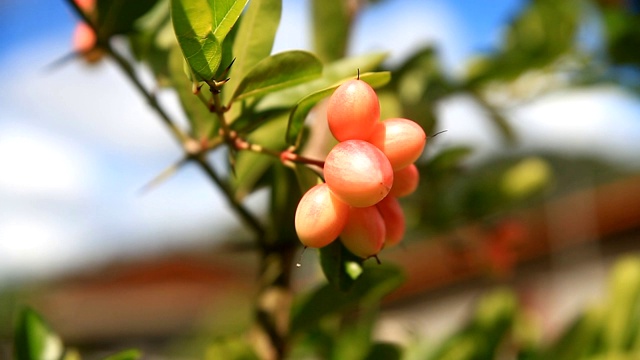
(84, 43)
(364, 232)
(394, 220)
(84, 38)
(401, 140)
(358, 173)
(320, 217)
(353, 110)
(405, 181)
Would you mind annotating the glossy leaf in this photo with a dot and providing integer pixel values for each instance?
(302, 108)
(192, 23)
(254, 40)
(278, 72)
(331, 74)
(203, 123)
(334, 260)
(251, 166)
(225, 14)
(34, 339)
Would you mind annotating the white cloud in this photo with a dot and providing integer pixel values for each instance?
(94, 103)
(35, 163)
(598, 121)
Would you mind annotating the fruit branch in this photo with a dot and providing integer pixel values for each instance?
(184, 140)
(237, 142)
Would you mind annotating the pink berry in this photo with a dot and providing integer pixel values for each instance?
(353, 110)
(405, 181)
(401, 140)
(364, 232)
(394, 220)
(358, 173)
(320, 217)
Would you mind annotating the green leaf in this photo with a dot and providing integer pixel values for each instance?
(307, 178)
(225, 15)
(254, 40)
(119, 16)
(251, 166)
(334, 259)
(375, 282)
(332, 73)
(192, 23)
(278, 72)
(301, 110)
(130, 354)
(330, 42)
(202, 122)
(624, 292)
(34, 339)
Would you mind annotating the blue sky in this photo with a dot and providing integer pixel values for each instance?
(77, 144)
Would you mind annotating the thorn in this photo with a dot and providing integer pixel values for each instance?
(299, 263)
(163, 176)
(358, 78)
(438, 133)
(64, 59)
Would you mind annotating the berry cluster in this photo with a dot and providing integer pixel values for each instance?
(365, 174)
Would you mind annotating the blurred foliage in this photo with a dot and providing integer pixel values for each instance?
(500, 327)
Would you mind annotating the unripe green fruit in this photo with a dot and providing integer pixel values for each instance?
(394, 221)
(405, 181)
(401, 140)
(358, 173)
(364, 232)
(320, 217)
(353, 110)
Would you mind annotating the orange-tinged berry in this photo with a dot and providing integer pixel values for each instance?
(84, 42)
(394, 220)
(320, 217)
(405, 181)
(364, 232)
(358, 173)
(401, 140)
(353, 110)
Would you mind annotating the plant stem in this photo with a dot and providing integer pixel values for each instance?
(185, 141)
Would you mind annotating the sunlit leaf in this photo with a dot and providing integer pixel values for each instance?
(332, 73)
(278, 72)
(34, 339)
(203, 123)
(192, 23)
(251, 166)
(302, 108)
(225, 14)
(254, 40)
(333, 260)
